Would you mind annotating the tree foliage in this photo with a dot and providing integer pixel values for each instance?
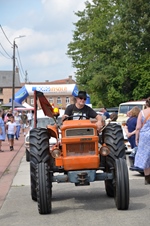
(110, 50)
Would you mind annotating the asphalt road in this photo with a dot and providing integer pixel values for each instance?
(75, 206)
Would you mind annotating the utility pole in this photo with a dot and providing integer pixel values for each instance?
(26, 80)
(13, 83)
(14, 72)
(26, 77)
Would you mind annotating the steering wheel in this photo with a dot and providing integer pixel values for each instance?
(74, 116)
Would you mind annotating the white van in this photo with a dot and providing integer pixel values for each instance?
(127, 106)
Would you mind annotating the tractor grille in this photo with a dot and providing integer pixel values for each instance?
(80, 149)
(79, 132)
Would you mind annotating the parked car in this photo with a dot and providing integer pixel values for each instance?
(127, 106)
(42, 122)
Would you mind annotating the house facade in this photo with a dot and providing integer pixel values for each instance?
(57, 99)
(6, 84)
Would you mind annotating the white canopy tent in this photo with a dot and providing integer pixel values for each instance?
(26, 105)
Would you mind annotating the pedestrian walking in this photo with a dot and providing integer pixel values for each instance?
(142, 157)
(11, 130)
(18, 125)
(24, 122)
(29, 116)
(2, 130)
(130, 127)
(8, 115)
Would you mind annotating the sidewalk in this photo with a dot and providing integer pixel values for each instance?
(9, 164)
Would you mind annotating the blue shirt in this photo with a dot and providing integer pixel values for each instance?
(131, 124)
(106, 115)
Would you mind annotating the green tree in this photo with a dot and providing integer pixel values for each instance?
(110, 50)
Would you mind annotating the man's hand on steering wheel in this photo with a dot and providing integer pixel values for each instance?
(66, 117)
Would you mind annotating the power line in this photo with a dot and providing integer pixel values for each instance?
(4, 55)
(20, 72)
(5, 51)
(5, 35)
(26, 77)
(20, 61)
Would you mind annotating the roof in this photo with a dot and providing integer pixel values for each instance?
(68, 80)
(63, 81)
(6, 79)
(133, 102)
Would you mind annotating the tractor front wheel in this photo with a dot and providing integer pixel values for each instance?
(44, 188)
(39, 152)
(121, 185)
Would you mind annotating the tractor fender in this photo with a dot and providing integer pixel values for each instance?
(53, 131)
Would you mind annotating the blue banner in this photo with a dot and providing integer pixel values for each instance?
(21, 95)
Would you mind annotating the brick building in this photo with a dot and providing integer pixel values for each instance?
(6, 89)
(58, 100)
(6, 83)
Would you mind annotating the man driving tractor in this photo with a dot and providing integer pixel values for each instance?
(82, 110)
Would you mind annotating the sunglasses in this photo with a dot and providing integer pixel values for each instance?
(81, 98)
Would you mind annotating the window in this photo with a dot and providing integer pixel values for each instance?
(32, 101)
(51, 100)
(67, 100)
(1, 90)
(125, 108)
(58, 100)
(1, 101)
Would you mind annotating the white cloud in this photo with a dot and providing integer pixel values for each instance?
(48, 28)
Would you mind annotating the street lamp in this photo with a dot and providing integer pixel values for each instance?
(14, 64)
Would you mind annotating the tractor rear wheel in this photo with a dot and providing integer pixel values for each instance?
(27, 155)
(113, 138)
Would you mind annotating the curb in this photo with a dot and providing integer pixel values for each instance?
(7, 176)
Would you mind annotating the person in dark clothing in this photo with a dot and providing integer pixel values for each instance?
(130, 128)
(105, 113)
(81, 110)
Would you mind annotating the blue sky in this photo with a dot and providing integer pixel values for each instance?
(48, 27)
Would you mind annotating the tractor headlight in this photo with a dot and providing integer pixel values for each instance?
(55, 152)
(27, 139)
(104, 150)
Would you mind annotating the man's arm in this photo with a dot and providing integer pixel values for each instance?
(68, 112)
(64, 116)
(100, 122)
(138, 127)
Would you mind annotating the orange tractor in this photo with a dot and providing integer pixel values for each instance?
(80, 156)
